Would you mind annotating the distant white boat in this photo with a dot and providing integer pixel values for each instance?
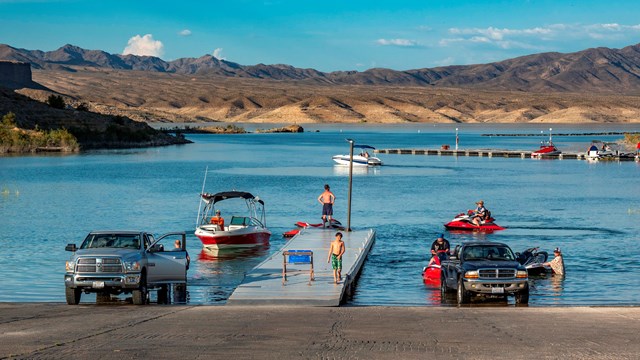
(361, 159)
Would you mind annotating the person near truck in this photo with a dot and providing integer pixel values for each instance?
(439, 246)
(557, 264)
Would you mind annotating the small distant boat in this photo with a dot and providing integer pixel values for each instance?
(361, 159)
(546, 148)
(246, 230)
(599, 153)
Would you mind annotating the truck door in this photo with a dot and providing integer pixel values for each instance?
(166, 261)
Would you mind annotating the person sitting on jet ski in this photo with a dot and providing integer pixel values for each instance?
(479, 214)
(440, 246)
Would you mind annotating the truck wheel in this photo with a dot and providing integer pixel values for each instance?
(163, 295)
(463, 296)
(140, 294)
(72, 295)
(102, 297)
(522, 297)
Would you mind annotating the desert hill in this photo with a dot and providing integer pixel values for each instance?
(594, 85)
(90, 129)
(601, 70)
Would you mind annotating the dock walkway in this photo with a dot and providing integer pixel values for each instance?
(263, 285)
(498, 153)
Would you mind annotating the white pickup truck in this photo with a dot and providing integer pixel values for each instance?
(127, 262)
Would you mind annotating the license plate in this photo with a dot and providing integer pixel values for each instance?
(98, 284)
(497, 290)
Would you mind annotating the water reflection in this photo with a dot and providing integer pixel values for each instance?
(219, 271)
(343, 170)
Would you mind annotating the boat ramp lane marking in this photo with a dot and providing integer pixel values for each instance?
(264, 285)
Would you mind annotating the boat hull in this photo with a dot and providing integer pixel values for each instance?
(357, 160)
(247, 237)
(431, 275)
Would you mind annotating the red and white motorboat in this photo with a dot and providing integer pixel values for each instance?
(463, 221)
(246, 230)
(546, 148)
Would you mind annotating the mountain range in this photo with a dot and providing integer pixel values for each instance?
(600, 70)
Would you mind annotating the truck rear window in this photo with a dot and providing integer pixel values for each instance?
(488, 252)
(94, 241)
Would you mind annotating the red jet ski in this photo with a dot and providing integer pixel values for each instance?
(335, 224)
(463, 221)
(431, 273)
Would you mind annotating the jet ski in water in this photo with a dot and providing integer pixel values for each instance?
(463, 221)
(532, 259)
(431, 273)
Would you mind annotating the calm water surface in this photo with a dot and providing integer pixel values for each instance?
(590, 210)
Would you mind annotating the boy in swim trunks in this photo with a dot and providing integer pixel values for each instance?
(326, 199)
(336, 250)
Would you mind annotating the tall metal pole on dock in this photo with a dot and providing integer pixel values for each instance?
(350, 184)
(550, 135)
(456, 139)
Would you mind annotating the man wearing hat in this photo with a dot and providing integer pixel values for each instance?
(557, 264)
(479, 214)
(218, 220)
(441, 245)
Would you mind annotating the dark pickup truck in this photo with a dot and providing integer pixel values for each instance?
(484, 268)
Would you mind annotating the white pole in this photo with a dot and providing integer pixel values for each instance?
(206, 170)
(456, 139)
(550, 135)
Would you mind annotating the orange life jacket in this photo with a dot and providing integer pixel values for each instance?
(218, 220)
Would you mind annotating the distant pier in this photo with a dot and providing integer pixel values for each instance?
(497, 153)
(264, 285)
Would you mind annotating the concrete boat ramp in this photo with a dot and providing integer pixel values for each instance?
(264, 284)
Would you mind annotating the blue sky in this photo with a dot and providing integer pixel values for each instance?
(326, 35)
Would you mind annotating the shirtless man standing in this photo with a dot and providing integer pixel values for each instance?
(336, 250)
(326, 199)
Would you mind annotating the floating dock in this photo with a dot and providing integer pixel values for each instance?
(498, 153)
(264, 284)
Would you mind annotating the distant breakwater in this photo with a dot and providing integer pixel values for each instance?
(569, 134)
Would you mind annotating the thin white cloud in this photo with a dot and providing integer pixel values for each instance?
(185, 32)
(217, 53)
(397, 42)
(144, 46)
(520, 38)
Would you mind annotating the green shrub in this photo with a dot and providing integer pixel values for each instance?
(9, 120)
(56, 101)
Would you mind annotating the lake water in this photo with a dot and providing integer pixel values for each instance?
(590, 210)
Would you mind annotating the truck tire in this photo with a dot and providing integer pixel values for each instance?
(140, 294)
(463, 296)
(444, 290)
(522, 297)
(72, 295)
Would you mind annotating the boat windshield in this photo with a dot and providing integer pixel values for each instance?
(488, 252)
(94, 241)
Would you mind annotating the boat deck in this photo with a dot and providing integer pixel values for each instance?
(264, 284)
